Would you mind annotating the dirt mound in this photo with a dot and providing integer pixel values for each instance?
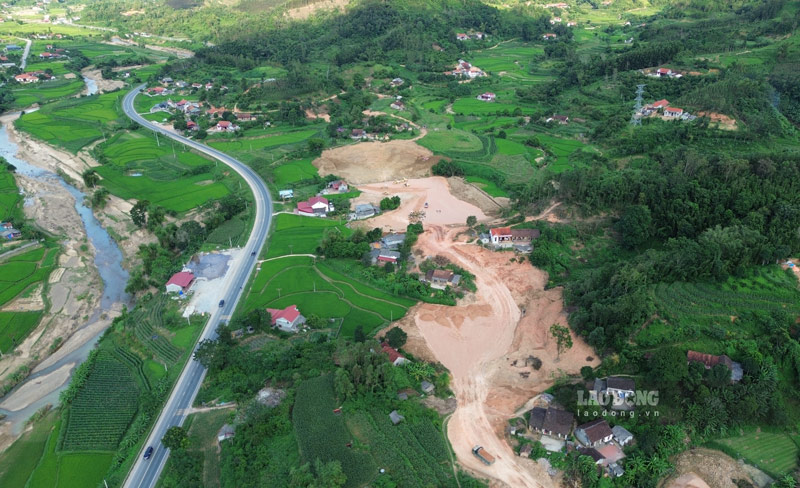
(701, 468)
(370, 162)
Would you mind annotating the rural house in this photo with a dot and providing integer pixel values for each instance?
(395, 417)
(398, 105)
(225, 126)
(244, 117)
(441, 278)
(549, 35)
(10, 234)
(621, 435)
(284, 194)
(673, 112)
(180, 282)
(620, 387)
(192, 125)
(520, 239)
(363, 211)
(226, 432)
(427, 387)
(487, 97)
(561, 119)
(462, 36)
(382, 256)
(592, 453)
(357, 134)
(555, 20)
(394, 357)
(664, 72)
(525, 451)
(709, 361)
(315, 207)
(397, 82)
(287, 319)
(594, 433)
(551, 421)
(338, 186)
(393, 241)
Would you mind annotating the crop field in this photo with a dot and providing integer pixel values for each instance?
(74, 123)
(46, 91)
(9, 194)
(295, 234)
(23, 30)
(473, 106)
(702, 312)
(21, 458)
(561, 149)
(140, 169)
(249, 148)
(488, 186)
(323, 435)
(103, 408)
(15, 326)
(453, 142)
(512, 59)
(414, 454)
(151, 331)
(774, 453)
(294, 171)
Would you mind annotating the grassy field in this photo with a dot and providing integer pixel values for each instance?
(323, 435)
(561, 149)
(294, 171)
(488, 186)
(165, 175)
(9, 195)
(20, 460)
(774, 453)
(46, 91)
(295, 234)
(17, 275)
(74, 123)
(278, 140)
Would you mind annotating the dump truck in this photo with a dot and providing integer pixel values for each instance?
(481, 454)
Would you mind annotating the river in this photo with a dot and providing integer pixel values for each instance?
(108, 261)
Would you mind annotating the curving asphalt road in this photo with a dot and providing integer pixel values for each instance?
(145, 473)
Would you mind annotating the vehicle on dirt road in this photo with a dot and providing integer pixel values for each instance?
(481, 454)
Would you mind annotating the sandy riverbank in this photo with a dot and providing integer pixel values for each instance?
(103, 85)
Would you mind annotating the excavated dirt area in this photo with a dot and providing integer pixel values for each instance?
(369, 162)
(704, 468)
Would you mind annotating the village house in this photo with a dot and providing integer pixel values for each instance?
(216, 111)
(594, 433)
(284, 194)
(393, 241)
(397, 82)
(180, 282)
(621, 435)
(10, 234)
(394, 357)
(551, 421)
(383, 256)
(12, 47)
(709, 361)
(209, 86)
(620, 388)
(398, 105)
(192, 125)
(315, 206)
(487, 97)
(549, 35)
(364, 211)
(561, 119)
(427, 387)
(592, 453)
(158, 90)
(555, 20)
(441, 278)
(225, 126)
(197, 85)
(181, 84)
(663, 72)
(48, 55)
(660, 104)
(395, 417)
(26, 78)
(571, 23)
(525, 451)
(357, 134)
(556, 5)
(673, 112)
(287, 319)
(506, 237)
(462, 36)
(467, 70)
(226, 432)
(244, 117)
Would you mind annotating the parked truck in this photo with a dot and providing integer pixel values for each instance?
(481, 454)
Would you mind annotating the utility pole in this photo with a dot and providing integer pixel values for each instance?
(157, 142)
(279, 292)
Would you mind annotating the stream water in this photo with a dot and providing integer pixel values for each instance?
(91, 86)
(107, 258)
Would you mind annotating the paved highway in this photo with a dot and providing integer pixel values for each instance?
(144, 473)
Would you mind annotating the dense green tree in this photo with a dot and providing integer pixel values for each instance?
(396, 337)
(175, 438)
(139, 213)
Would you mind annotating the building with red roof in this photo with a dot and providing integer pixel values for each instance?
(394, 357)
(287, 319)
(315, 207)
(502, 237)
(180, 282)
(487, 97)
(673, 112)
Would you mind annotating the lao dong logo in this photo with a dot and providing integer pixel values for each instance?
(620, 404)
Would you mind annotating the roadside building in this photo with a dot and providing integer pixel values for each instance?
(441, 278)
(288, 319)
(180, 282)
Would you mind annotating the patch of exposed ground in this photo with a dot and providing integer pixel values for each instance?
(103, 85)
(721, 121)
(32, 302)
(442, 206)
(507, 320)
(306, 11)
(468, 192)
(704, 468)
(370, 162)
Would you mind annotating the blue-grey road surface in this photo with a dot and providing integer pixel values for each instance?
(144, 473)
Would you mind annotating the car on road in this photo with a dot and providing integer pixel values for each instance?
(253, 253)
(221, 303)
(148, 453)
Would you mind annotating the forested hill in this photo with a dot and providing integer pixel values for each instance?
(374, 30)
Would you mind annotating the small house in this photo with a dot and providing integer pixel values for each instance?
(660, 104)
(487, 97)
(673, 112)
(386, 256)
(287, 319)
(592, 453)
(709, 361)
(462, 36)
(620, 388)
(315, 207)
(402, 396)
(549, 36)
(615, 470)
(594, 433)
(13, 47)
(394, 357)
(363, 211)
(192, 125)
(397, 82)
(393, 241)
(427, 387)
(226, 432)
(339, 186)
(180, 282)
(561, 119)
(505, 237)
(664, 72)
(551, 421)
(284, 194)
(395, 417)
(10, 234)
(244, 117)
(441, 278)
(571, 23)
(555, 20)
(525, 451)
(621, 435)
(226, 126)
(398, 105)
(358, 134)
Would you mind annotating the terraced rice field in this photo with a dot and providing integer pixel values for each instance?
(775, 453)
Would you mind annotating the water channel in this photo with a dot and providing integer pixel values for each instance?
(107, 259)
